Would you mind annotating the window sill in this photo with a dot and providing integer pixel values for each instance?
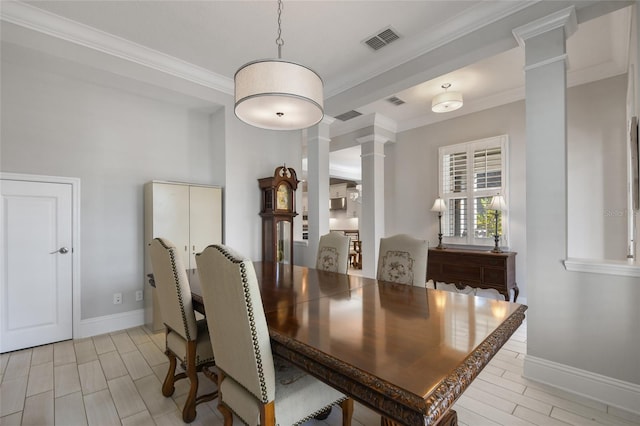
(625, 268)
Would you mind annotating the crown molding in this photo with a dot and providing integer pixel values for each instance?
(563, 18)
(36, 19)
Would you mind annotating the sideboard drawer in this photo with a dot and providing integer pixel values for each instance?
(495, 276)
(462, 273)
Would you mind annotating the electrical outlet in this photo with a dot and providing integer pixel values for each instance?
(117, 298)
(138, 295)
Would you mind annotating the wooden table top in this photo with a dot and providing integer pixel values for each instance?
(406, 351)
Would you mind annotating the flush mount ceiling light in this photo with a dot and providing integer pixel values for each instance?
(446, 101)
(278, 95)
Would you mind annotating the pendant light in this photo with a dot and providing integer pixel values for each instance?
(446, 101)
(276, 94)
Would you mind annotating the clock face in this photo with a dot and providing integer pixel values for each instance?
(282, 197)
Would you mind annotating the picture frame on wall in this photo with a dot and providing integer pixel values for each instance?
(635, 162)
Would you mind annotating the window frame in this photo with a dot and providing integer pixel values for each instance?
(470, 194)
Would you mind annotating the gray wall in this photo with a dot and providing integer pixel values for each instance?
(596, 170)
(114, 142)
(60, 121)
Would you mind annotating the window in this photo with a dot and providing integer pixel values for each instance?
(470, 175)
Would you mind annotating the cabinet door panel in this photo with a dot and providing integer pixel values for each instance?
(171, 215)
(205, 211)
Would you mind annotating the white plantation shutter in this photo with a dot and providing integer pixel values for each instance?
(455, 173)
(470, 175)
(487, 168)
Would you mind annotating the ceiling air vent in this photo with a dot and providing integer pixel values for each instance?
(381, 39)
(348, 115)
(395, 100)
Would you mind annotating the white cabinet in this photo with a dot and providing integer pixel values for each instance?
(338, 190)
(190, 216)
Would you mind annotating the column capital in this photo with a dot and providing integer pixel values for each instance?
(327, 119)
(565, 18)
(373, 138)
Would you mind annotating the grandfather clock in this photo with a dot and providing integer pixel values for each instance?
(277, 212)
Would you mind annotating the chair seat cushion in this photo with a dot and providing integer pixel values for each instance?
(178, 345)
(299, 396)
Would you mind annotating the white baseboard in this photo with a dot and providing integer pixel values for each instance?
(109, 323)
(613, 392)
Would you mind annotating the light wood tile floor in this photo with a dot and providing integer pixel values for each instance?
(115, 379)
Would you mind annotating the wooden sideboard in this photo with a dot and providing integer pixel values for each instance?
(483, 269)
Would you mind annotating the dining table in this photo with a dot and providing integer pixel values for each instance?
(405, 352)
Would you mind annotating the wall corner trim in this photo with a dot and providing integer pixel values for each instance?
(610, 391)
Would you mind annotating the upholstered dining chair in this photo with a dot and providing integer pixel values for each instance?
(258, 388)
(403, 259)
(187, 340)
(333, 252)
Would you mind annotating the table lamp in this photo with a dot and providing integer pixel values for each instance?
(497, 204)
(439, 206)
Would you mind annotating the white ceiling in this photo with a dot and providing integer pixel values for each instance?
(217, 37)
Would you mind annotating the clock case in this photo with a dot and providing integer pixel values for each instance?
(278, 208)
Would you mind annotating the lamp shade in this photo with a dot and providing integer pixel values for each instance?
(278, 95)
(446, 101)
(439, 206)
(497, 203)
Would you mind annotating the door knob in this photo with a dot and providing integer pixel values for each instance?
(62, 250)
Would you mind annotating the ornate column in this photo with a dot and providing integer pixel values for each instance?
(317, 185)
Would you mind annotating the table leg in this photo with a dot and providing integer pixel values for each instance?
(449, 419)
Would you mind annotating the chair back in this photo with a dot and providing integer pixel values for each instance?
(172, 289)
(403, 259)
(333, 252)
(236, 320)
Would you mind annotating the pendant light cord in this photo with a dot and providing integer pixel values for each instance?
(279, 40)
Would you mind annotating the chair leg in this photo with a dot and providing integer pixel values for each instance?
(226, 414)
(168, 387)
(268, 414)
(347, 411)
(189, 410)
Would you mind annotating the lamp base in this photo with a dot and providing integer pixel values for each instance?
(496, 248)
(440, 246)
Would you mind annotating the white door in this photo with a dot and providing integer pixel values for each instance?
(36, 263)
